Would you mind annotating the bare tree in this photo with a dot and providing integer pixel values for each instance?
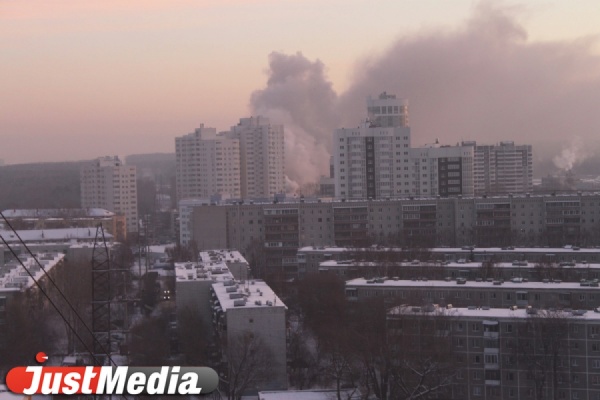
(27, 331)
(541, 346)
(74, 280)
(150, 341)
(192, 331)
(304, 369)
(250, 364)
(340, 364)
(422, 346)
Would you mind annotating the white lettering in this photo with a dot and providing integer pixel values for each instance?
(87, 377)
(54, 379)
(71, 383)
(35, 380)
(157, 381)
(173, 381)
(112, 383)
(189, 387)
(135, 383)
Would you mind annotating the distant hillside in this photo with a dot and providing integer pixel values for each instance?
(40, 185)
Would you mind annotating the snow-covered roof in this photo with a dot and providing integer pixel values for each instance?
(453, 265)
(496, 313)
(57, 213)
(189, 271)
(210, 257)
(14, 277)
(57, 235)
(423, 284)
(311, 394)
(450, 250)
(256, 293)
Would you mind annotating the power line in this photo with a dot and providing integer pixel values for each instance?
(69, 325)
(87, 328)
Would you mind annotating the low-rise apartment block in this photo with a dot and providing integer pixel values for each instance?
(218, 288)
(502, 353)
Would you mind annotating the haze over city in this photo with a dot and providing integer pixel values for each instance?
(84, 80)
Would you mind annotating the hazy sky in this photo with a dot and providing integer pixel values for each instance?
(82, 79)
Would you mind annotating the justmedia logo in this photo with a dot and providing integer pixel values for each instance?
(111, 380)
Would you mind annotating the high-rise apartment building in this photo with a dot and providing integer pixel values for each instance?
(262, 159)
(387, 111)
(107, 183)
(372, 162)
(376, 160)
(207, 164)
(502, 168)
(442, 170)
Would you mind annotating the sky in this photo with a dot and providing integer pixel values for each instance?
(83, 79)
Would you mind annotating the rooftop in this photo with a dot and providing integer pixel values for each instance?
(248, 294)
(57, 235)
(57, 213)
(13, 277)
(516, 283)
(449, 250)
(348, 202)
(312, 394)
(454, 265)
(496, 313)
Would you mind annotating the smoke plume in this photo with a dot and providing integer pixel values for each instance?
(570, 156)
(299, 96)
(483, 81)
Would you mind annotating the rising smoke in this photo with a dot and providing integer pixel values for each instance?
(299, 96)
(482, 81)
(571, 155)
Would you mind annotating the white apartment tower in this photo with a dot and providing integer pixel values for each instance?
(207, 164)
(387, 111)
(373, 160)
(262, 160)
(107, 183)
(442, 170)
(502, 168)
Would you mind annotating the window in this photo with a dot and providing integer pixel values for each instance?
(491, 358)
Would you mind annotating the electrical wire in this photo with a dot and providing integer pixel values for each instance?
(81, 320)
(62, 316)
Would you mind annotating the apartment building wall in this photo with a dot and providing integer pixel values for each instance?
(443, 170)
(107, 183)
(502, 168)
(207, 164)
(262, 157)
(480, 294)
(387, 111)
(496, 351)
(372, 162)
(526, 220)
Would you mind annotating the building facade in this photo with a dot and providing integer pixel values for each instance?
(280, 228)
(501, 353)
(107, 183)
(502, 168)
(262, 158)
(217, 288)
(207, 164)
(442, 170)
